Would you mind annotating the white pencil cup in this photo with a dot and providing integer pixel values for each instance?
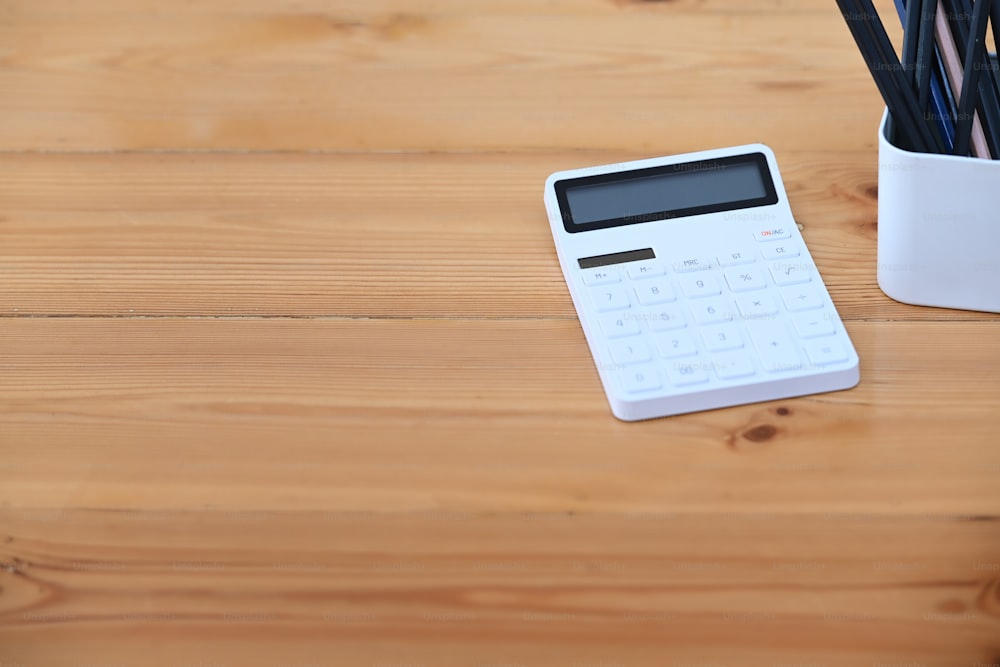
(938, 228)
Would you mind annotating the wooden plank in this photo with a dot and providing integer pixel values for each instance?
(352, 235)
(443, 76)
(334, 408)
(262, 588)
(471, 415)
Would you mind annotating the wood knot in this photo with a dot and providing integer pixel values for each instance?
(988, 601)
(761, 433)
(953, 606)
(783, 412)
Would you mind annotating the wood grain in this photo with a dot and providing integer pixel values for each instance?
(443, 76)
(436, 588)
(474, 415)
(352, 235)
(289, 376)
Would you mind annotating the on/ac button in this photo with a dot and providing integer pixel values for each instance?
(772, 234)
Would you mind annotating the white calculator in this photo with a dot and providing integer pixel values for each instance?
(693, 285)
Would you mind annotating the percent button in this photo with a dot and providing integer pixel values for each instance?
(745, 279)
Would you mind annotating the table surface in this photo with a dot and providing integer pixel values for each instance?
(289, 374)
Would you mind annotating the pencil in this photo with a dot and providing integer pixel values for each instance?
(911, 41)
(934, 97)
(987, 108)
(953, 66)
(970, 96)
(885, 65)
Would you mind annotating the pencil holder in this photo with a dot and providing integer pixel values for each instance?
(938, 228)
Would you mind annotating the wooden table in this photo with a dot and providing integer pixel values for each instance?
(289, 374)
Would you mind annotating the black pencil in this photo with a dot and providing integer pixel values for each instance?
(995, 22)
(911, 41)
(925, 49)
(894, 72)
(987, 108)
(906, 134)
(989, 89)
(885, 65)
(925, 62)
(969, 99)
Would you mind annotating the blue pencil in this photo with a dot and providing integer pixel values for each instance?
(934, 100)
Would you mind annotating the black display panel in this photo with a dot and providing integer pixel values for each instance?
(616, 258)
(670, 191)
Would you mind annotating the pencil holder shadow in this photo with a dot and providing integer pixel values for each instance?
(938, 228)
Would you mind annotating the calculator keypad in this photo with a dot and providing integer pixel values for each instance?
(756, 310)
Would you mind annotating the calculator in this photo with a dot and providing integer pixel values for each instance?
(693, 285)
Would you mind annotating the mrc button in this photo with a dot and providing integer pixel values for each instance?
(772, 234)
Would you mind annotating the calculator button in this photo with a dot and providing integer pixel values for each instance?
(608, 299)
(697, 286)
(774, 347)
(756, 306)
(595, 277)
(745, 279)
(780, 251)
(677, 344)
(686, 373)
(721, 337)
(772, 233)
(640, 270)
(802, 297)
(733, 365)
(824, 353)
(814, 325)
(652, 292)
(641, 378)
(711, 311)
(736, 257)
(619, 326)
(791, 273)
(630, 352)
(665, 319)
(693, 264)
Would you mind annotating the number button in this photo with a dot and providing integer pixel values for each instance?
(609, 299)
(700, 286)
(683, 374)
(652, 292)
(721, 338)
(674, 345)
(641, 378)
(619, 326)
(665, 319)
(595, 277)
(630, 352)
(711, 311)
(745, 279)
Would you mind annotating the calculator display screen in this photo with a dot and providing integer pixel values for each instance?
(670, 191)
